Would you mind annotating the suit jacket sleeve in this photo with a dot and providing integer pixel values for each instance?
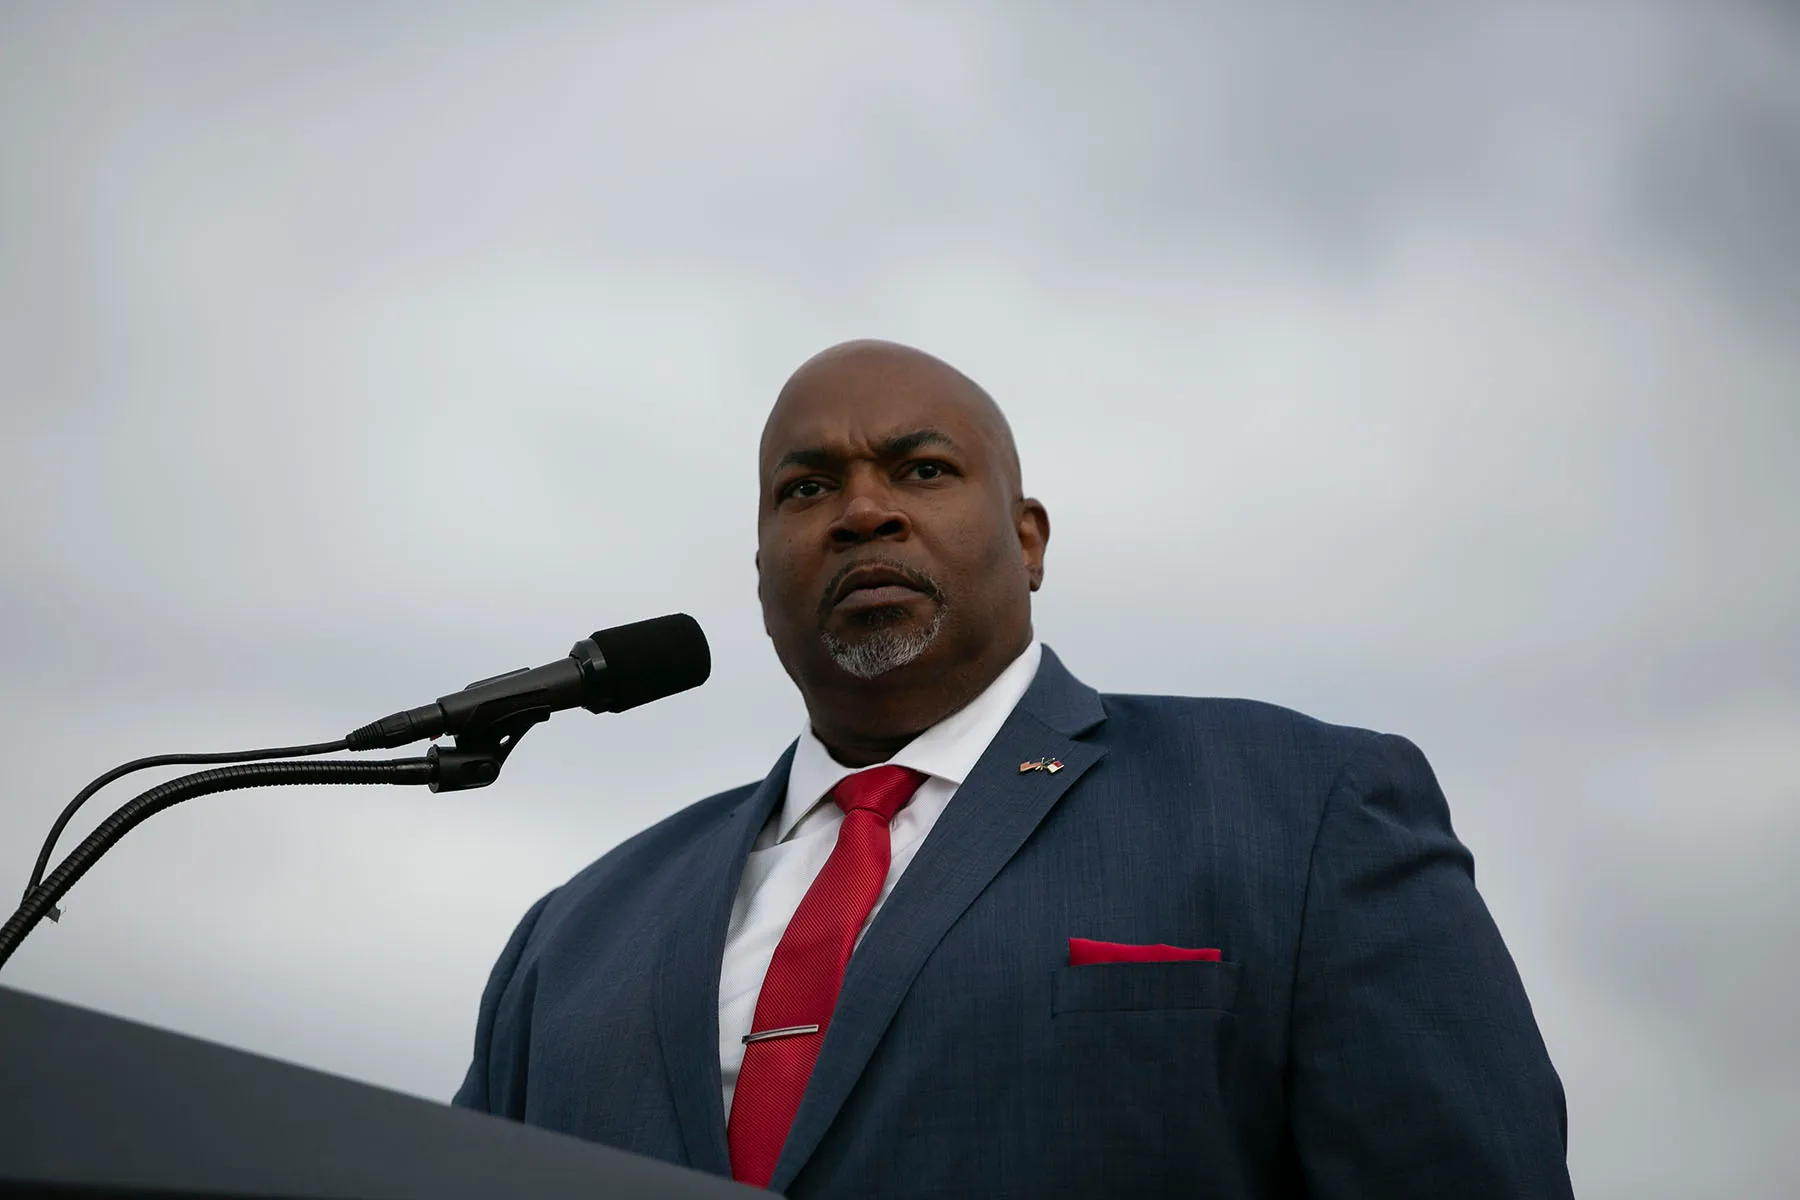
(1417, 1067)
(496, 1077)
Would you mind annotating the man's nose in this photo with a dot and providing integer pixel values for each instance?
(869, 513)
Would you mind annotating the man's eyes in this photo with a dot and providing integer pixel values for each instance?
(922, 471)
(805, 489)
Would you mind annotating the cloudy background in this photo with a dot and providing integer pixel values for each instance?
(1428, 368)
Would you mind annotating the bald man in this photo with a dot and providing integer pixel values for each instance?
(983, 931)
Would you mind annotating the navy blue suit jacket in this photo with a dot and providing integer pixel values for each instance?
(1365, 1034)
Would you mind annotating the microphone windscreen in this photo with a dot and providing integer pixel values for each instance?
(647, 660)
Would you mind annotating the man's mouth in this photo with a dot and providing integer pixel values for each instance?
(877, 586)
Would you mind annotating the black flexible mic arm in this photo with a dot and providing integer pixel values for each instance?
(41, 899)
(615, 669)
(159, 760)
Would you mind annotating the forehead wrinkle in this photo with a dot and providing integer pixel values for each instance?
(918, 439)
(892, 446)
(860, 367)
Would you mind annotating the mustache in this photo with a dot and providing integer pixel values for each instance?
(913, 576)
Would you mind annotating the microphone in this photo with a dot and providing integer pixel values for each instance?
(615, 669)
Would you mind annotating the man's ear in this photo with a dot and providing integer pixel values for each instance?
(756, 560)
(1033, 523)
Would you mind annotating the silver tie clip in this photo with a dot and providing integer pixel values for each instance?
(789, 1031)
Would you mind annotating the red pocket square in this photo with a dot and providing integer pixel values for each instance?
(1086, 952)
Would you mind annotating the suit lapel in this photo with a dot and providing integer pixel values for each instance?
(687, 1009)
(990, 817)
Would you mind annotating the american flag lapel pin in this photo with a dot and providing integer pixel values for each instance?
(1041, 764)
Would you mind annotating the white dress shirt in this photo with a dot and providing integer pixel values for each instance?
(793, 846)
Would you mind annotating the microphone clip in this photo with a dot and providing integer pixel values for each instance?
(475, 760)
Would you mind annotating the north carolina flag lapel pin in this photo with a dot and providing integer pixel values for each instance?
(1041, 764)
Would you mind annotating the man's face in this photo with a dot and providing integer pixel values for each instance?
(889, 532)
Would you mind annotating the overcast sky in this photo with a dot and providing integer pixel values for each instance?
(1428, 368)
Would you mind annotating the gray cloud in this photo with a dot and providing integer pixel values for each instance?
(1423, 371)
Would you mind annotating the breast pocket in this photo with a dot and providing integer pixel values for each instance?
(1139, 987)
(1140, 1066)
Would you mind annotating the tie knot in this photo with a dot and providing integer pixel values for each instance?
(884, 790)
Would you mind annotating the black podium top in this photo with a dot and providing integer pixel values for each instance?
(94, 1106)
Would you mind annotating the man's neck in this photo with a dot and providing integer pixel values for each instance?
(867, 721)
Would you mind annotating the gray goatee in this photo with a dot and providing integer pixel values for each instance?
(881, 650)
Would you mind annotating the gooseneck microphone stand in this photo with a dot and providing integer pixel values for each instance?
(611, 671)
(159, 760)
(474, 761)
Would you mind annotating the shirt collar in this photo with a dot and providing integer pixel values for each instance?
(948, 750)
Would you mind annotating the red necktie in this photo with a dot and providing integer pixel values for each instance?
(801, 988)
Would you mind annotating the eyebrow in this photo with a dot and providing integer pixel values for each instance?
(899, 446)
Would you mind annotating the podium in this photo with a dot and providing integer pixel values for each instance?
(93, 1106)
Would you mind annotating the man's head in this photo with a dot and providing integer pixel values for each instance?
(896, 552)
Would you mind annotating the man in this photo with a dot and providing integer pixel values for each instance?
(983, 931)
